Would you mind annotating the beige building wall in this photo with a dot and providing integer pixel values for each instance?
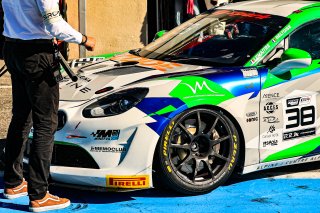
(117, 25)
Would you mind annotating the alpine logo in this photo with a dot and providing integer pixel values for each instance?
(106, 134)
(140, 181)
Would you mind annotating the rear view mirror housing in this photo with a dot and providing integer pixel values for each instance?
(292, 58)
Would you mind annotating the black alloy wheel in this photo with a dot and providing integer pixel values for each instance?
(198, 151)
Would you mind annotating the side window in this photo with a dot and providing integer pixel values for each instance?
(307, 38)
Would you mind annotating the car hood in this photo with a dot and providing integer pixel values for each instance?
(115, 73)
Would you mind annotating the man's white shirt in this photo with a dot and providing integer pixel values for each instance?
(37, 19)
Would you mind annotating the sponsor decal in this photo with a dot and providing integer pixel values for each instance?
(260, 54)
(83, 61)
(270, 143)
(106, 134)
(128, 182)
(272, 128)
(85, 90)
(201, 87)
(249, 72)
(270, 107)
(288, 162)
(251, 114)
(271, 119)
(293, 102)
(299, 133)
(84, 78)
(234, 153)
(166, 139)
(165, 145)
(76, 86)
(271, 133)
(281, 33)
(108, 149)
(271, 95)
(253, 119)
(305, 100)
(52, 16)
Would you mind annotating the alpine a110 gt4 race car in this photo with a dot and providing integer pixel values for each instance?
(233, 90)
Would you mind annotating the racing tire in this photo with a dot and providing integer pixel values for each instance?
(197, 152)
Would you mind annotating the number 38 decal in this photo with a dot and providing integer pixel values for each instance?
(300, 117)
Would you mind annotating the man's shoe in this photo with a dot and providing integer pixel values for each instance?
(49, 202)
(19, 191)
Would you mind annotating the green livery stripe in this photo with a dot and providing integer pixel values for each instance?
(195, 91)
(165, 110)
(295, 151)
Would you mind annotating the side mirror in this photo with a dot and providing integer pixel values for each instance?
(159, 34)
(292, 58)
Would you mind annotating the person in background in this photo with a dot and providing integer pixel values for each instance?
(186, 9)
(29, 29)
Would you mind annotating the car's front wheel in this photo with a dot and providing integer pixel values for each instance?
(197, 151)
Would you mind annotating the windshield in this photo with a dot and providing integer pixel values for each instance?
(216, 38)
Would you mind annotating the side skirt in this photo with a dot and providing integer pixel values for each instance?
(280, 163)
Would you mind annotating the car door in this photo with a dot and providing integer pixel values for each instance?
(289, 111)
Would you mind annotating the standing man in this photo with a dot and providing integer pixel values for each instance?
(29, 29)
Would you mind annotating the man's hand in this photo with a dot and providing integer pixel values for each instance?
(89, 42)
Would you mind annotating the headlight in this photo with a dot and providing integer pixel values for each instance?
(115, 103)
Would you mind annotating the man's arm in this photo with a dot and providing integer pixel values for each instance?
(59, 28)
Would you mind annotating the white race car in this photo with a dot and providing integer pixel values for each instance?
(235, 89)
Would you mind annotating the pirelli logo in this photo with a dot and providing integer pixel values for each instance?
(128, 182)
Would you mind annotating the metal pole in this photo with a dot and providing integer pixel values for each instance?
(82, 24)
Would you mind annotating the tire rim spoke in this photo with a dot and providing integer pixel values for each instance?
(213, 126)
(186, 131)
(221, 157)
(180, 146)
(219, 140)
(184, 161)
(209, 168)
(196, 168)
(200, 127)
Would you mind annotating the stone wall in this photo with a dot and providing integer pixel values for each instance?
(116, 25)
